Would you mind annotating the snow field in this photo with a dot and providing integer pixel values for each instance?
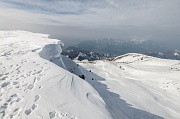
(34, 87)
(135, 86)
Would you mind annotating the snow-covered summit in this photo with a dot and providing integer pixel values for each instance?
(34, 86)
(176, 52)
(137, 58)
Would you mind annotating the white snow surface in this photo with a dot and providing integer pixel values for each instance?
(136, 86)
(34, 86)
(36, 82)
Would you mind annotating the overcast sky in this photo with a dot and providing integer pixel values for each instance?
(95, 19)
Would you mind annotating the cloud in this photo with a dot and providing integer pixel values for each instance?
(94, 18)
(97, 12)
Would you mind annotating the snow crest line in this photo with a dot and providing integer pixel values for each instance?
(31, 87)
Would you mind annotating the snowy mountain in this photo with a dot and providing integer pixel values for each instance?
(108, 48)
(33, 86)
(37, 82)
(120, 47)
(80, 54)
(173, 54)
(136, 86)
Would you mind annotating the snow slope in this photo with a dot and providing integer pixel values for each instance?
(34, 86)
(136, 86)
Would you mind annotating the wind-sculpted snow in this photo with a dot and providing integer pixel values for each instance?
(136, 86)
(52, 52)
(34, 87)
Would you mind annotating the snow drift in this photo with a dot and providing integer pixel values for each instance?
(34, 87)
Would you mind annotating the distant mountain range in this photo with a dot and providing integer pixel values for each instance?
(81, 54)
(107, 48)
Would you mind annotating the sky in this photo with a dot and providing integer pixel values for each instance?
(95, 19)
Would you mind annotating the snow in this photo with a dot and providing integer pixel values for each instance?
(37, 82)
(176, 54)
(143, 59)
(136, 86)
(34, 86)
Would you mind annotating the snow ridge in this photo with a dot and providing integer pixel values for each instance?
(37, 87)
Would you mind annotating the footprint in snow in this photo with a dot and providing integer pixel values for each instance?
(7, 73)
(19, 99)
(52, 114)
(35, 80)
(13, 99)
(37, 97)
(11, 66)
(40, 87)
(17, 65)
(28, 112)
(2, 112)
(15, 113)
(23, 76)
(39, 71)
(16, 78)
(34, 107)
(17, 87)
(30, 86)
(5, 84)
(3, 77)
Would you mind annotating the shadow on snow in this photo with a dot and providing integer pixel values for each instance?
(118, 107)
